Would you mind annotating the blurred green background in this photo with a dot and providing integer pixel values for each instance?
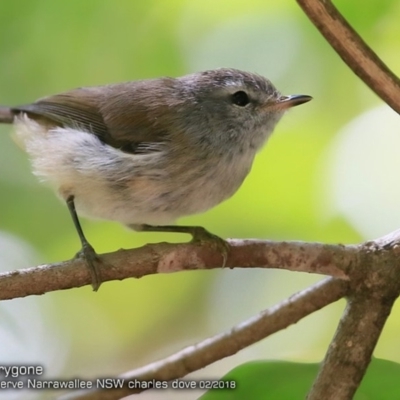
(325, 176)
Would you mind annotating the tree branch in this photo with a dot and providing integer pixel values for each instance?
(372, 294)
(226, 344)
(351, 350)
(333, 260)
(353, 50)
(375, 289)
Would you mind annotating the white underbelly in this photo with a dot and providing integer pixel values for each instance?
(132, 189)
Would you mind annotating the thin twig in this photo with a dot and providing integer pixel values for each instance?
(333, 260)
(353, 50)
(226, 344)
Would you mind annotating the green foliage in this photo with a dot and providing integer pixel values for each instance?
(277, 380)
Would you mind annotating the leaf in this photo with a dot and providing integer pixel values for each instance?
(281, 380)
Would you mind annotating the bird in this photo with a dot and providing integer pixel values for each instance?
(145, 153)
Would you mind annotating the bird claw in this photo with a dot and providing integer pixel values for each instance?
(92, 260)
(202, 235)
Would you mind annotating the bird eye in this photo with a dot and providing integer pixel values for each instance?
(240, 98)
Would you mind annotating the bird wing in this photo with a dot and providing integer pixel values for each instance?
(76, 108)
(113, 113)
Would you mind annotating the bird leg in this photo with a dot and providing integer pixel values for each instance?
(87, 251)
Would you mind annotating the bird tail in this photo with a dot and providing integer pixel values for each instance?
(6, 115)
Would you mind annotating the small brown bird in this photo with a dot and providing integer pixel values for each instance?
(145, 153)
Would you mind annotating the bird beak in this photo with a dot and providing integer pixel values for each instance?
(285, 102)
